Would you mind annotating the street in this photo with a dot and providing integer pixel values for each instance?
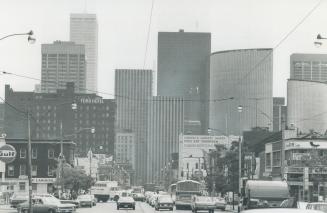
(111, 207)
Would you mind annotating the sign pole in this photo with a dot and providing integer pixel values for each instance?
(29, 164)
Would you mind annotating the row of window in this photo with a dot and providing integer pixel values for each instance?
(23, 153)
(23, 171)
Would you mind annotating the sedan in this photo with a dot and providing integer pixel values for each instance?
(126, 202)
(203, 203)
(46, 205)
(164, 202)
(85, 200)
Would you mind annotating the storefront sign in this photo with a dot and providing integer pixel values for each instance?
(91, 100)
(305, 144)
(43, 180)
(7, 153)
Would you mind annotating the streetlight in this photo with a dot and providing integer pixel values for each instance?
(30, 39)
(319, 43)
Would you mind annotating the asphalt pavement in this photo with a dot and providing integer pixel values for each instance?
(111, 207)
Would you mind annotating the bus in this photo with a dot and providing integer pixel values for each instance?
(104, 190)
(185, 189)
(172, 191)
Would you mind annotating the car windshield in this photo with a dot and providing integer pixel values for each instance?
(204, 199)
(126, 199)
(51, 200)
(165, 199)
(84, 197)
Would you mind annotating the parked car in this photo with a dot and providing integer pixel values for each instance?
(153, 199)
(46, 204)
(317, 206)
(203, 203)
(126, 202)
(75, 202)
(17, 198)
(85, 200)
(164, 202)
(220, 203)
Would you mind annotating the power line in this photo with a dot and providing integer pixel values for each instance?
(148, 34)
(122, 96)
(279, 43)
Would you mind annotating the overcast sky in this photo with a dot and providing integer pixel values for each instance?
(123, 24)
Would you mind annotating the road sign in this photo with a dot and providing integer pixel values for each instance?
(7, 153)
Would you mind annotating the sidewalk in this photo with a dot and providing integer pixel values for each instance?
(5, 207)
(229, 208)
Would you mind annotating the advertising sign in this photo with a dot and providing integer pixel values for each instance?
(304, 144)
(7, 153)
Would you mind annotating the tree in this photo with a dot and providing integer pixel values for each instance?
(75, 180)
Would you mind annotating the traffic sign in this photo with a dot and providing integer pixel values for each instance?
(7, 153)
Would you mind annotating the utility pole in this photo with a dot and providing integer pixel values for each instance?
(61, 158)
(29, 164)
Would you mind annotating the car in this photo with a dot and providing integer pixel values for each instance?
(75, 202)
(126, 202)
(317, 206)
(202, 203)
(153, 199)
(164, 202)
(138, 197)
(46, 204)
(280, 210)
(220, 203)
(94, 200)
(17, 198)
(85, 200)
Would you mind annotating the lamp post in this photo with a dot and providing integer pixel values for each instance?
(318, 43)
(30, 40)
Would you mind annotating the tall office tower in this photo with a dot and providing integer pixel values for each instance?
(309, 67)
(49, 110)
(63, 62)
(306, 106)
(244, 77)
(279, 114)
(183, 71)
(165, 124)
(84, 30)
(133, 89)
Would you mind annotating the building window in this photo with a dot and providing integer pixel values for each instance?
(34, 170)
(34, 153)
(11, 170)
(22, 169)
(50, 171)
(22, 153)
(22, 186)
(276, 159)
(268, 160)
(51, 154)
(34, 186)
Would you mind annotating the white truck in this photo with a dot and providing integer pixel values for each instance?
(104, 190)
(264, 194)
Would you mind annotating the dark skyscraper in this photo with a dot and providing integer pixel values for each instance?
(183, 71)
(133, 90)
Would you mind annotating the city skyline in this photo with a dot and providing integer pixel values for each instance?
(118, 48)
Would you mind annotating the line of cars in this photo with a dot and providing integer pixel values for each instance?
(50, 204)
